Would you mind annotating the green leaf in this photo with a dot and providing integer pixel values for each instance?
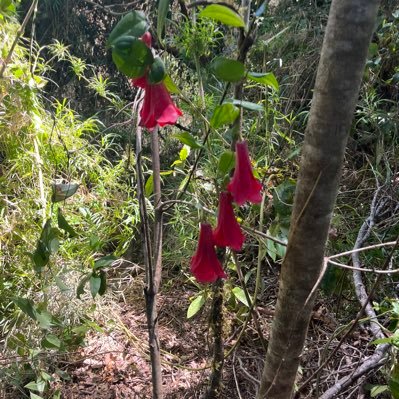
(227, 162)
(228, 69)
(184, 153)
(247, 105)
(170, 85)
(34, 396)
(378, 389)
(103, 285)
(48, 243)
(149, 186)
(32, 386)
(131, 56)
(195, 306)
(95, 285)
(283, 198)
(267, 79)
(373, 50)
(104, 261)
(40, 259)
(5, 3)
(379, 341)
(188, 139)
(64, 225)
(271, 249)
(133, 24)
(50, 341)
(46, 376)
(63, 191)
(26, 305)
(238, 292)
(222, 14)
(163, 8)
(183, 183)
(224, 114)
(60, 284)
(157, 71)
(394, 388)
(80, 289)
(45, 319)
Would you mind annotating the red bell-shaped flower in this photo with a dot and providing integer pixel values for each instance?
(205, 265)
(158, 108)
(228, 232)
(243, 186)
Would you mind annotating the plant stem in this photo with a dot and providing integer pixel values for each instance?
(152, 276)
(152, 289)
(40, 177)
(215, 385)
(19, 34)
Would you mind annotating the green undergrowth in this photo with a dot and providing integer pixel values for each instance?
(47, 151)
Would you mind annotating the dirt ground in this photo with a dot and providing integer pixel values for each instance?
(114, 363)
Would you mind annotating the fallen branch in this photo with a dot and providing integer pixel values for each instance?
(378, 357)
(372, 362)
(360, 288)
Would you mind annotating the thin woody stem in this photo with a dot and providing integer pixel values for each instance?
(17, 37)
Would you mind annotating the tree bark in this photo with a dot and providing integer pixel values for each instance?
(343, 56)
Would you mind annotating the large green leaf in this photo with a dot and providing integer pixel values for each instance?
(47, 244)
(95, 285)
(171, 85)
(247, 105)
(51, 341)
(226, 162)
(184, 153)
(26, 305)
(105, 261)
(131, 56)
(222, 14)
(149, 186)
(377, 390)
(268, 79)
(228, 69)
(45, 319)
(224, 114)
(239, 293)
(188, 139)
(195, 306)
(81, 286)
(157, 71)
(103, 285)
(283, 198)
(64, 225)
(63, 191)
(133, 24)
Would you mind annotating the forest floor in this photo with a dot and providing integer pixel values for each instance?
(115, 364)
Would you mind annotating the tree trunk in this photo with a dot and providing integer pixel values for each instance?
(341, 66)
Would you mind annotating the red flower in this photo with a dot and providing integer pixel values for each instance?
(158, 107)
(205, 265)
(228, 232)
(243, 186)
(147, 39)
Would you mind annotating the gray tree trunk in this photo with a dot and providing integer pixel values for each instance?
(343, 56)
